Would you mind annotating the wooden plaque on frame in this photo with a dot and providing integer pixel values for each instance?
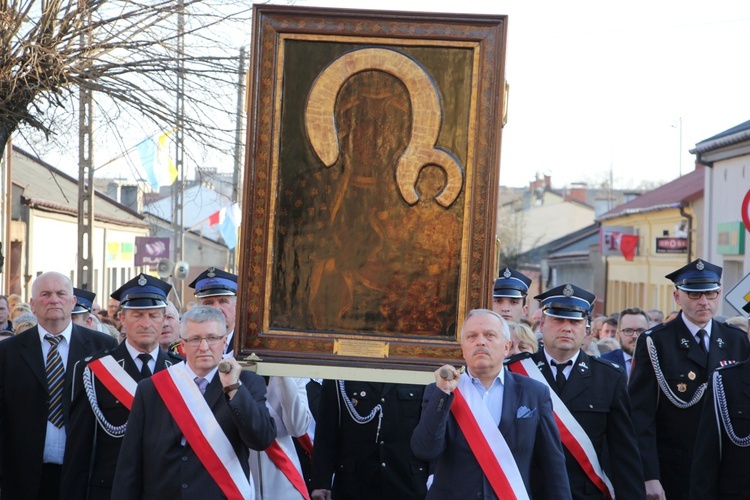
(370, 188)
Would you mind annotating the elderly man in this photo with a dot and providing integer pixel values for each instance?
(590, 401)
(191, 425)
(509, 295)
(36, 369)
(673, 363)
(513, 413)
(99, 411)
(217, 288)
(633, 322)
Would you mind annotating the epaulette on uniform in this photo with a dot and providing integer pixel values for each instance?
(655, 329)
(608, 363)
(174, 358)
(730, 325)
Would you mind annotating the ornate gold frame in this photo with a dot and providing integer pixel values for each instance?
(299, 173)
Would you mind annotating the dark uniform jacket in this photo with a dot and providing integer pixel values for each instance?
(24, 404)
(91, 456)
(365, 467)
(153, 462)
(532, 440)
(596, 395)
(666, 433)
(723, 463)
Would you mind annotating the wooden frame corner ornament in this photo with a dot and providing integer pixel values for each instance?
(370, 185)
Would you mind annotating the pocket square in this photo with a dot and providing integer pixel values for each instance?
(524, 412)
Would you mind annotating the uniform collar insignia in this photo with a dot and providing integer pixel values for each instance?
(684, 343)
(540, 364)
(583, 366)
(720, 342)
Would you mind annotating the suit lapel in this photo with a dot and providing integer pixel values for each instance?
(32, 354)
(214, 391)
(579, 378)
(718, 350)
(541, 363)
(162, 362)
(511, 400)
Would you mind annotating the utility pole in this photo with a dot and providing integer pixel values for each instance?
(236, 194)
(178, 214)
(85, 268)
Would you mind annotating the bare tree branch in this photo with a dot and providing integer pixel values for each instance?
(126, 51)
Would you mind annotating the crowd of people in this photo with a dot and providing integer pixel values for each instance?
(136, 401)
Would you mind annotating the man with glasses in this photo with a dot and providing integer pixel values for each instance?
(633, 322)
(673, 362)
(191, 425)
(99, 409)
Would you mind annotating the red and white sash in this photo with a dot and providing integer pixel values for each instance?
(281, 460)
(279, 455)
(198, 424)
(572, 435)
(486, 442)
(114, 377)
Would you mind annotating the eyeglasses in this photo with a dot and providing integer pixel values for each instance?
(632, 331)
(710, 295)
(211, 340)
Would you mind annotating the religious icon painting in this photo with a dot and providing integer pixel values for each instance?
(370, 184)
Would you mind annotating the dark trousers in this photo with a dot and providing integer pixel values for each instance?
(49, 489)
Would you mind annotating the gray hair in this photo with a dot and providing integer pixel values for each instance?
(26, 317)
(503, 324)
(204, 314)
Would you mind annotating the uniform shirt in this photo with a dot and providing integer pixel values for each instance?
(694, 331)
(138, 362)
(567, 369)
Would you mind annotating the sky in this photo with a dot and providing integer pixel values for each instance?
(602, 90)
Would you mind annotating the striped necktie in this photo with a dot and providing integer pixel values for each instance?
(55, 378)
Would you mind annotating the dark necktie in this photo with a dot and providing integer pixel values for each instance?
(702, 334)
(202, 383)
(55, 378)
(560, 376)
(145, 370)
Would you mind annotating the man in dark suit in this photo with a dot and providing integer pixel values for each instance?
(183, 444)
(518, 406)
(673, 363)
(34, 411)
(362, 438)
(722, 449)
(632, 323)
(594, 391)
(98, 417)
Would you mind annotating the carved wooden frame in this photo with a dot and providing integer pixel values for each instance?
(278, 32)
